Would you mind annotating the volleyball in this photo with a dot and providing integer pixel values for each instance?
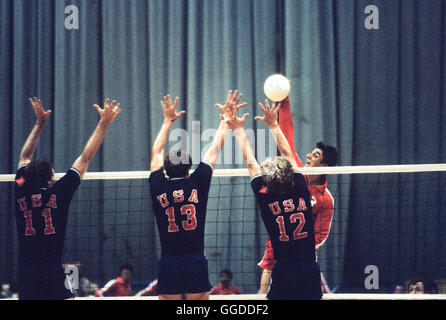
(276, 87)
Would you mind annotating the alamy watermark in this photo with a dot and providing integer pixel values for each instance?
(371, 282)
(72, 277)
(371, 22)
(72, 19)
(197, 143)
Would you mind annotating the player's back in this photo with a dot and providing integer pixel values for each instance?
(41, 218)
(288, 220)
(180, 209)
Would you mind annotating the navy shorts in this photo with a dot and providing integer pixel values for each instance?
(295, 281)
(187, 273)
(42, 282)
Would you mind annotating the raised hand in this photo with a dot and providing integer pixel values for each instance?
(110, 111)
(41, 114)
(169, 109)
(269, 114)
(231, 119)
(232, 99)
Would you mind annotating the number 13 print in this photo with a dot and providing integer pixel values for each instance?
(189, 224)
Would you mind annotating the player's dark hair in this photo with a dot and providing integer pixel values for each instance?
(38, 172)
(329, 154)
(177, 163)
(277, 174)
(126, 267)
(226, 272)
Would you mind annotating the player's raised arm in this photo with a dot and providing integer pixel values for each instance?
(29, 148)
(232, 100)
(287, 127)
(170, 116)
(107, 114)
(236, 124)
(270, 119)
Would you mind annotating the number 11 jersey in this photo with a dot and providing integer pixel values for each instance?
(41, 217)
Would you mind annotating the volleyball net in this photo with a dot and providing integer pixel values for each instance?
(387, 219)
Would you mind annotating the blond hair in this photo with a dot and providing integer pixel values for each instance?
(277, 174)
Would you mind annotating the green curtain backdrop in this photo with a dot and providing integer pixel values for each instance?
(377, 95)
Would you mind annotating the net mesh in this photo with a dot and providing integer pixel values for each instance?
(112, 224)
(393, 221)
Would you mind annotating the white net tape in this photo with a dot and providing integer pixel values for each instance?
(113, 175)
(252, 297)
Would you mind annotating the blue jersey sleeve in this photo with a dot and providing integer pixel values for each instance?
(20, 171)
(257, 184)
(299, 181)
(68, 184)
(20, 182)
(19, 177)
(156, 180)
(202, 176)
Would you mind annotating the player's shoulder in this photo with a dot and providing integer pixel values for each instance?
(202, 174)
(71, 176)
(157, 176)
(20, 180)
(299, 180)
(257, 184)
(204, 166)
(298, 175)
(21, 168)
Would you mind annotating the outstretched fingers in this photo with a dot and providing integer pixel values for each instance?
(169, 108)
(229, 96)
(244, 117)
(175, 103)
(98, 108)
(180, 113)
(110, 110)
(117, 108)
(112, 105)
(40, 113)
(106, 103)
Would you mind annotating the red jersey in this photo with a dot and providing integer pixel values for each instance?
(150, 290)
(220, 289)
(322, 202)
(115, 288)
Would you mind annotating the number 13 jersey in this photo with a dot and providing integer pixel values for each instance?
(179, 206)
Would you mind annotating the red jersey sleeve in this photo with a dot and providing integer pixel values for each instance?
(215, 290)
(286, 125)
(150, 290)
(322, 221)
(236, 290)
(109, 288)
(268, 262)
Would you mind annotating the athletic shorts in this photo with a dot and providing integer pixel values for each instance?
(295, 281)
(43, 282)
(187, 273)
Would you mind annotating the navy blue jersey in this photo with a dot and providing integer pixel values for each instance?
(41, 216)
(288, 219)
(180, 205)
